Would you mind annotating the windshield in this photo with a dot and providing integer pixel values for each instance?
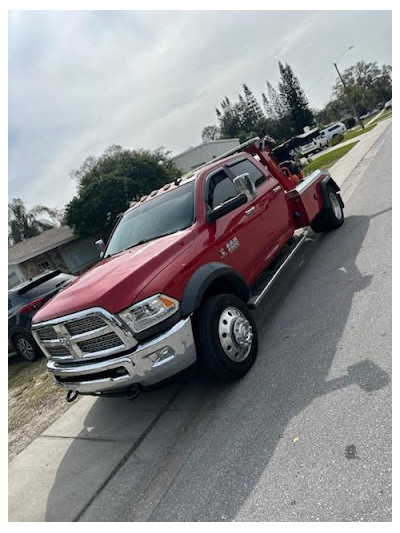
(169, 213)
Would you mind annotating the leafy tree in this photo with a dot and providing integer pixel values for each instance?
(269, 111)
(23, 224)
(279, 120)
(294, 99)
(281, 115)
(253, 117)
(229, 118)
(277, 105)
(210, 133)
(106, 185)
(244, 118)
(367, 84)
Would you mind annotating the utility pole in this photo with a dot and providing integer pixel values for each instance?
(348, 97)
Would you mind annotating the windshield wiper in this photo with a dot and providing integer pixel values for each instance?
(142, 241)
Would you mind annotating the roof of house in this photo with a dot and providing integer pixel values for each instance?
(207, 143)
(48, 240)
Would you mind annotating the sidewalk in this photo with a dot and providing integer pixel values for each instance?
(100, 446)
(343, 168)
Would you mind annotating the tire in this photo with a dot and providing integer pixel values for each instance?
(26, 347)
(220, 324)
(331, 217)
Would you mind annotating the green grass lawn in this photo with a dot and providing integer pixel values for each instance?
(358, 131)
(327, 160)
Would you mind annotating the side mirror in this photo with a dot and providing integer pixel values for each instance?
(226, 207)
(102, 247)
(244, 185)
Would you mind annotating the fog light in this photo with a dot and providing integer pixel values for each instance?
(162, 354)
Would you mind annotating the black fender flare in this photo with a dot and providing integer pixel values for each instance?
(328, 180)
(201, 280)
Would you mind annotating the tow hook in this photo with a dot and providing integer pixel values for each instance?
(133, 392)
(72, 395)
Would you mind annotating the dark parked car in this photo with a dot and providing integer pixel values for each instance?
(23, 302)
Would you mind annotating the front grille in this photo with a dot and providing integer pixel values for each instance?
(58, 351)
(109, 340)
(47, 333)
(88, 334)
(83, 325)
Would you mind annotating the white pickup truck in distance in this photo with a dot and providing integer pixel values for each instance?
(316, 145)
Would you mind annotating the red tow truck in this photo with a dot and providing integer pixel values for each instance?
(181, 272)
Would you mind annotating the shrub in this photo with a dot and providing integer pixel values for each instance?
(337, 139)
(350, 122)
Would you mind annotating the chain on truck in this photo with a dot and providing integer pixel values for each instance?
(180, 274)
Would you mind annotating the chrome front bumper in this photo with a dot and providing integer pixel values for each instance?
(149, 363)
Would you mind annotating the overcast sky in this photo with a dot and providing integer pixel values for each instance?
(80, 81)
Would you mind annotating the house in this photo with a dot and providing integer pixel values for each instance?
(198, 155)
(54, 248)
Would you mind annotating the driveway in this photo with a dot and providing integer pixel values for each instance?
(305, 436)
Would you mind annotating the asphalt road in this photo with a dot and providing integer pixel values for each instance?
(306, 435)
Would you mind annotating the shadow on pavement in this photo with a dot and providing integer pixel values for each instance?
(300, 329)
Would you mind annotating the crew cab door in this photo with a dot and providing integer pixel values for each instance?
(237, 237)
(273, 226)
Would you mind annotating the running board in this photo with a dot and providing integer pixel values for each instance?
(270, 276)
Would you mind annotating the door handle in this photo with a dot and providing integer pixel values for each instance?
(248, 212)
(276, 189)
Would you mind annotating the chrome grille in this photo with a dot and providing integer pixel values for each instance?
(85, 335)
(59, 351)
(77, 327)
(105, 342)
(48, 333)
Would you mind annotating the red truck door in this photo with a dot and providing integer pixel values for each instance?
(237, 237)
(273, 225)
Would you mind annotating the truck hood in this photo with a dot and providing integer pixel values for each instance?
(115, 282)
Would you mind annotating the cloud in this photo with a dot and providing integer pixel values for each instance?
(80, 81)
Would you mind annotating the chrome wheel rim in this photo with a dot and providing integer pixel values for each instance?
(235, 334)
(337, 210)
(25, 348)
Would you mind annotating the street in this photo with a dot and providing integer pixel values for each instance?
(305, 436)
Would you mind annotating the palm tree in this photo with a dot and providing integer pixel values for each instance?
(23, 224)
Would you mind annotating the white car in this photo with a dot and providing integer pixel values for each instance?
(333, 130)
(316, 145)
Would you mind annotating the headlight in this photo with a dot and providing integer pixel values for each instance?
(149, 312)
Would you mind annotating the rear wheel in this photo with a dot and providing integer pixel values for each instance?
(226, 337)
(25, 347)
(331, 217)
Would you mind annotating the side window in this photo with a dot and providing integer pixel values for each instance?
(220, 189)
(246, 166)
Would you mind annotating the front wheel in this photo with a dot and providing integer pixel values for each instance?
(332, 216)
(226, 337)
